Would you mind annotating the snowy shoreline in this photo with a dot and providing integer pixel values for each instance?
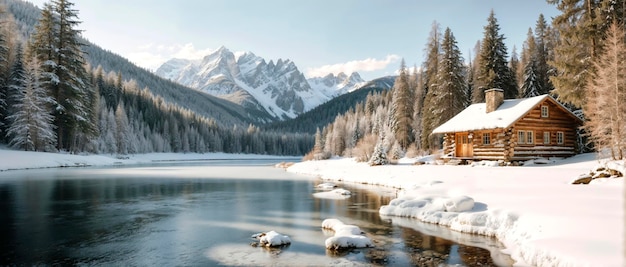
(540, 217)
(23, 160)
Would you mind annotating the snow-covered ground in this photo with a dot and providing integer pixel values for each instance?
(542, 219)
(18, 160)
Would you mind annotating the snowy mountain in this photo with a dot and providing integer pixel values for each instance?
(277, 88)
(333, 86)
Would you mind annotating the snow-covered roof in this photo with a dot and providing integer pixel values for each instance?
(475, 117)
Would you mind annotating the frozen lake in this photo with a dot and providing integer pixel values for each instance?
(203, 214)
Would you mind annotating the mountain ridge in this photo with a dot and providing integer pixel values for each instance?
(277, 88)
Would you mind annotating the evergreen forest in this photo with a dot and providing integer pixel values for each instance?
(577, 58)
(58, 92)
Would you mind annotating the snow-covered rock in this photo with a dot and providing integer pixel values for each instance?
(346, 236)
(338, 193)
(326, 185)
(272, 239)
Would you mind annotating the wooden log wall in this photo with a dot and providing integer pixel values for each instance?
(557, 121)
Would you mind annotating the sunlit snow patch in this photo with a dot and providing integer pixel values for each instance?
(346, 235)
(272, 239)
(426, 207)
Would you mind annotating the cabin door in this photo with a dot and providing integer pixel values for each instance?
(464, 147)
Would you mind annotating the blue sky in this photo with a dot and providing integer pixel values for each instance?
(320, 36)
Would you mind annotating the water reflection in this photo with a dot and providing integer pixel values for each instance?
(199, 215)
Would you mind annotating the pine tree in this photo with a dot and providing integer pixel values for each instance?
(477, 92)
(493, 70)
(15, 84)
(31, 126)
(402, 106)
(379, 156)
(5, 104)
(448, 96)
(433, 52)
(531, 86)
(577, 47)
(515, 65)
(428, 80)
(56, 43)
(542, 54)
(605, 111)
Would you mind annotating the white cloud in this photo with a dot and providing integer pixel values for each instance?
(152, 56)
(369, 64)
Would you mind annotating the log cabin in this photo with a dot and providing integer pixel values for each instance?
(511, 130)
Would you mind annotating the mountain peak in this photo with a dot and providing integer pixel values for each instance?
(221, 49)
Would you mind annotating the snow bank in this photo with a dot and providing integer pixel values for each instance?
(346, 235)
(430, 209)
(19, 160)
(540, 217)
(272, 239)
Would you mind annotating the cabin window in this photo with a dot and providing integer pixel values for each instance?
(544, 112)
(521, 137)
(559, 138)
(546, 138)
(530, 137)
(486, 138)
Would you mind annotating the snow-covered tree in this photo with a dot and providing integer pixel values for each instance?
(31, 126)
(494, 71)
(447, 96)
(605, 110)
(57, 45)
(531, 86)
(402, 108)
(379, 156)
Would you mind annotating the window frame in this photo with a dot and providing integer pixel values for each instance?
(521, 137)
(546, 138)
(530, 137)
(560, 138)
(486, 138)
(545, 111)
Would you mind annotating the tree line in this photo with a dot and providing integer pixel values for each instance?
(52, 100)
(578, 58)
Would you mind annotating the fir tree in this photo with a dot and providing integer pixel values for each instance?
(477, 92)
(542, 54)
(494, 71)
(57, 44)
(31, 126)
(531, 86)
(379, 156)
(514, 65)
(576, 49)
(448, 96)
(5, 104)
(402, 106)
(429, 78)
(433, 52)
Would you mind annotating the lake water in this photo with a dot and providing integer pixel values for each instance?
(204, 214)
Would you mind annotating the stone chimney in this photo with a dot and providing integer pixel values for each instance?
(493, 99)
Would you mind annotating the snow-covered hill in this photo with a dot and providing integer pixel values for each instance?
(277, 88)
